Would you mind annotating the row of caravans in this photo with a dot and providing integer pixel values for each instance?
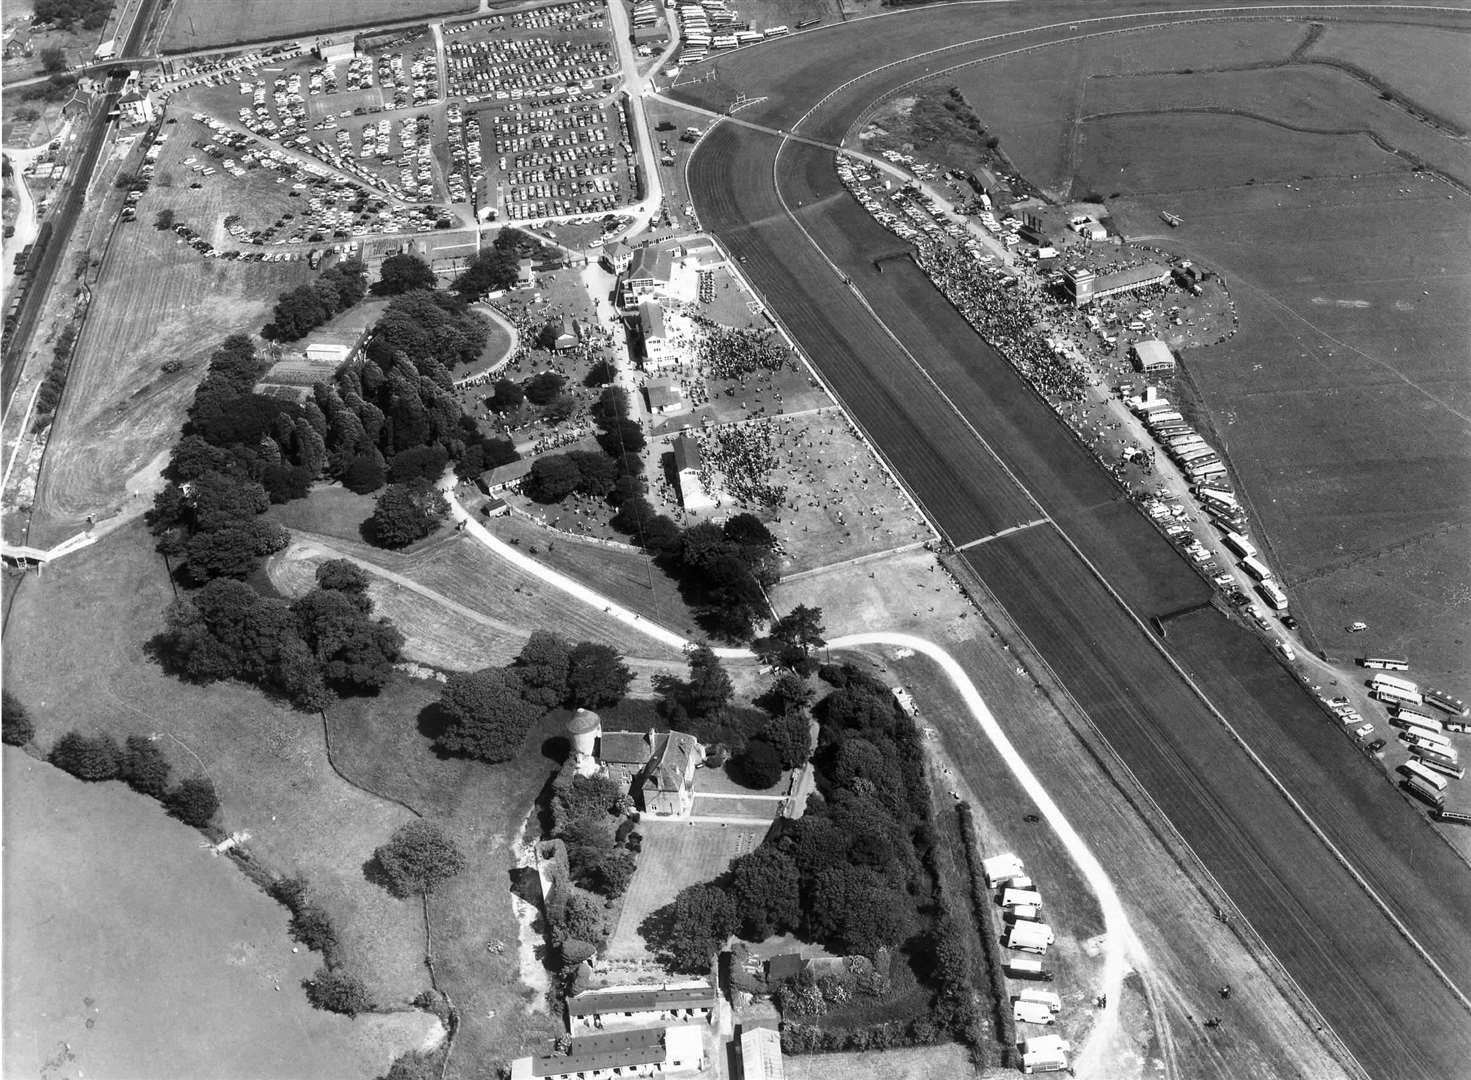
(1021, 906)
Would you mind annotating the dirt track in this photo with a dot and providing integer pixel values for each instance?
(1380, 996)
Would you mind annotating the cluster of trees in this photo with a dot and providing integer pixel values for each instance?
(403, 273)
(307, 651)
(49, 396)
(16, 724)
(496, 267)
(588, 817)
(92, 14)
(418, 859)
(141, 765)
(487, 713)
(849, 873)
(301, 310)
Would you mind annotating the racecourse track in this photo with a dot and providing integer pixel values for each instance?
(983, 455)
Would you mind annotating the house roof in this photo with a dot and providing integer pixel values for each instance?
(1137, 275)
(653, 999)
(651, 319)
(784, 966)
(662, 395)
(675, 766)
(625, 747)
(686, 453)
(583, 721)
(651, 262)
(1153, 353)
(761, 1053)
(605, 1050)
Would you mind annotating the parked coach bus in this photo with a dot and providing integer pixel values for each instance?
(1385, 663)
(1256, 568)
(1411, 722)
(1393, 696)
(1240, 544)
(1426, 792)
(1272, 593)
(1394, 682)
(1416, 771)
(1442, 764)
(1444, 701)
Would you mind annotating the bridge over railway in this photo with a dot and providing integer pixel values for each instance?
(1307, 839)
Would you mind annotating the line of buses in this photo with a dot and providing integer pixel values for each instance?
(1434, 761)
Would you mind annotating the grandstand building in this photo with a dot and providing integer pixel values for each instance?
(1084, 286)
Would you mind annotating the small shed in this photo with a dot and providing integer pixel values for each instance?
(1153, 357)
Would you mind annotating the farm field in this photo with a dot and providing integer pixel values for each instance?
(154, 300)
(81, 663)
(129, 951)
(202, 24)
(1411, 59)
(674, 854)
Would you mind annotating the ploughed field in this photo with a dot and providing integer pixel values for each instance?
(1321, 925)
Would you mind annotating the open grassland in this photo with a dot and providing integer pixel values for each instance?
(131, 952)
(910, 1063)
(202, 24)
(1348, 339)
(1298, 101)
(154, 300)
(74, 652)
(674, 854)
(1412, 60)
(383, 743)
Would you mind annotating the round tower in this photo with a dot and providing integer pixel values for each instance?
(583, 730)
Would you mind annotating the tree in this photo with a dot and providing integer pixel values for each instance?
(543, 387)
(765, 886)
(493, 269)
(851, 909)
(53, 60)
(403, 273)
(404, 513)
(584, 919)
(596, 676)
(506, 395)
(418, 859)
(365, 472)
(759, 764)
(233, 552)
(792, 639)
(353, 650)
(415, 1065)
(87, 759)
(709, 689)
(193, 802)
(789, 692)
(338, 992)
(552, 478)
(164, 219)
(688, 932)
(423, 464)
(16, 721)
(543, 665)
(348, 578)
(143, 767)
(488, 716)
(614, 873)
(791, 736)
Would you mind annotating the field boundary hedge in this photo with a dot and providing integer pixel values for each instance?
(980, 898)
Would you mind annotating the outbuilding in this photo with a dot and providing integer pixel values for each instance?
(1153, 357)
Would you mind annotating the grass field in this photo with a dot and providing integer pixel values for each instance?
(79, 662)
(131, 952)
(674, 854)
(381, 743)
(155, 300)
(202, 24)
(913, 1063)
(1411, 59)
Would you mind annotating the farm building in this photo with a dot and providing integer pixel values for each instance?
(687, 471)
(624, 754)
(761, 1053)
(1153, 357)
(18, 43)
(1084, 286)
(640, 1006)
(656, 767)
(668, 1051)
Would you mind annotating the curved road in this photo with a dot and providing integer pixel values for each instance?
(1362, 903)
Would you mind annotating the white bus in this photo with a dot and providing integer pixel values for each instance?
(1411, 723)
(1394, 682)
(1444, 701)
(1414, 717)
(1272, 593)
(1392, 696)
(1440, 763)
(1430, 740)
(1416, 771)
(1256, 568)
(1240, 544)
(1386, 663)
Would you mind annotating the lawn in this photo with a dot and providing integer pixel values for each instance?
(201, 24)
(75, 654)
(383, 743)
(129, 951)
(949, 1060)
(675, 854)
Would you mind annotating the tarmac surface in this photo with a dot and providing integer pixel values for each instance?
(983, 454)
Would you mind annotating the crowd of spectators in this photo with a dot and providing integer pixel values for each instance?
(725, 353)
(743, 455)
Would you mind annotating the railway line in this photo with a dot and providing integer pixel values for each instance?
(1358, 899)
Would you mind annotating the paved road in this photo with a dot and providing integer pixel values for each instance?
(935, 420)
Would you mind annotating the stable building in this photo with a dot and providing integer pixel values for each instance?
(761, 1054)
(642, 1052)
(1153, 357)
(641, 1006)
